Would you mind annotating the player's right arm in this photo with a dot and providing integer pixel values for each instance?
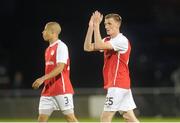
(88, 45)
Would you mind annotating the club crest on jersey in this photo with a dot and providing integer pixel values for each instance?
(52, 52)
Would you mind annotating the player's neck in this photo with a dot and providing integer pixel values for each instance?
(114, 35)
(53, 40)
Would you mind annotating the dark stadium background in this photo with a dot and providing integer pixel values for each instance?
(152, 27)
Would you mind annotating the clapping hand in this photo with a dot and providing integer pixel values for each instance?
(97, 17)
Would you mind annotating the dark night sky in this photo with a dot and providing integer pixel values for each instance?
(151, 26)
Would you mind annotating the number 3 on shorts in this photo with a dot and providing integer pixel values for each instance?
(109, 101)
(66, 100)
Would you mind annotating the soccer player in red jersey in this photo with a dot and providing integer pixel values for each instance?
(57, 93)
(117, 50)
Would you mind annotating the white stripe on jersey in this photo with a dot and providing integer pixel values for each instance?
(118, 62)
(63, 82)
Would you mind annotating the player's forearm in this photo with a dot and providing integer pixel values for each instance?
(57, 70)
(88, 45)
(97, 38)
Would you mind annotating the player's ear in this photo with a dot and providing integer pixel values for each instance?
(118, 24)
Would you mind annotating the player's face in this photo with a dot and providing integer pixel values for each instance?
(111, 26)
(47, 34)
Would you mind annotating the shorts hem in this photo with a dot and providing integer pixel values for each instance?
(120, 109)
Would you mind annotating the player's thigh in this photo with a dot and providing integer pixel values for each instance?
(43, 117)
(70, 117)
(129, 115)
(65, 102)
(114, 98)
(107, 114)
(46, 106)
(127, 102)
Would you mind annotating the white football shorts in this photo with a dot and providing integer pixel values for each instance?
(59, 102)
(119, 99)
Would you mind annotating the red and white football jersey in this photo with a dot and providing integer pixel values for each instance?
(116, 70)
(61, 84)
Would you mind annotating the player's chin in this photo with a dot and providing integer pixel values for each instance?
(45, 39)
(108, 33)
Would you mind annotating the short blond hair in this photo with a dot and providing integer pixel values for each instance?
(116, 17)
(54, 27)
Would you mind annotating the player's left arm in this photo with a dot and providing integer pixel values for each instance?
(57, 70)
(99, 43)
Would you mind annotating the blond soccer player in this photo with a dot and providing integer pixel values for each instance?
(117, 50)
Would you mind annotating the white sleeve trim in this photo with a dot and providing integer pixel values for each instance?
(62, 53)
(119, 43)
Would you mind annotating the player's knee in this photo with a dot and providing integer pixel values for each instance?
(43, 118)
(71, 118)
(130, 118)
(126, 117)
(69, 115)
(105, 117)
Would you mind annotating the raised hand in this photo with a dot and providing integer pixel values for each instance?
(91, 21)
(98, 17)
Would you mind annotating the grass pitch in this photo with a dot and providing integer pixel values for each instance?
(144, 119)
